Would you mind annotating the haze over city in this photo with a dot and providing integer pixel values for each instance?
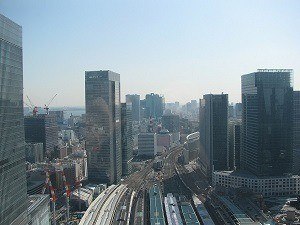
(179, 49)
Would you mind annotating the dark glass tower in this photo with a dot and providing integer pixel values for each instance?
(267, 122)
(213, 132)
(13, 197)
(42, 128)
(103, 126)
(127, 141)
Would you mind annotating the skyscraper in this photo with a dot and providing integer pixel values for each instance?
(134, 100)
(213, 117)
(296, 152)
(13, 197)
(103, 126)
(127, 139)
(267, 122)
(234, 145)
(171, 122)
(155, 105)
(42, 128)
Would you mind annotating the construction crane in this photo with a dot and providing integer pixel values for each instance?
(31, 106)
(47, 105)
(53, 198)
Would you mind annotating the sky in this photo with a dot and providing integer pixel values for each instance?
(179, 49)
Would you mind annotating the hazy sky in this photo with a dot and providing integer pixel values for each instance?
(181, 49)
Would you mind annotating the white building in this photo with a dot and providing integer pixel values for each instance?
(267, 186)
(147, 144)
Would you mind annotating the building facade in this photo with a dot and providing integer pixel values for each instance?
(34, 152)
(103, 126)
(147, 144)
(296, 151)
(155, 105)
(134, 100)
(234, 145)
(42, 128)
(13, 197)
(267, 122)
(266, 186)
(213, 121)
(127, 139)
(171, 122)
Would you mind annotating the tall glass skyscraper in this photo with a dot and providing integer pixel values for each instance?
(213, 121)
(267, 122)
(103, 126)
(13, 197)
(134, 100)
(127, 139)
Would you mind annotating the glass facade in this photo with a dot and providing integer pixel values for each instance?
(103, 126)
(213, 118)
(127, 141)
(13, 197)
(267, 122)
(134, 100)
(296, 152)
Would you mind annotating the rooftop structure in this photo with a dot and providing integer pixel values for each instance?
(156, 207)
(189, 214)
(172, 210)
(204, 215)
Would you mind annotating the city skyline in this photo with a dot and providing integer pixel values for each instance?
(202, 43)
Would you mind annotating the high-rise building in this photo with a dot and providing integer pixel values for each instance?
(171, 122)
(13, 197)
(42, 128)
(267, 122)
(103, 126)
(127, 139)
(213, 117)
(155, 105)
(237, 145)
(147, 143)
(296, 152)
(134, 100)
(238, 110)
(59, 116)
(34, 152)
(234, 143)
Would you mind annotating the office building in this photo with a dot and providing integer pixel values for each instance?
(42, 128)
(103, 126)
(234, 143)
(13, 197)
(213, 117)
(170, 122)
(147, 144)
(267, 122)
(296, 151)
(155, 105)
(134, 100)
(34, 152)
(127, 139)
(39, 210)
(59, 116)
(238, 110)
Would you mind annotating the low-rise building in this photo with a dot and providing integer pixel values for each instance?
(288, 185)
